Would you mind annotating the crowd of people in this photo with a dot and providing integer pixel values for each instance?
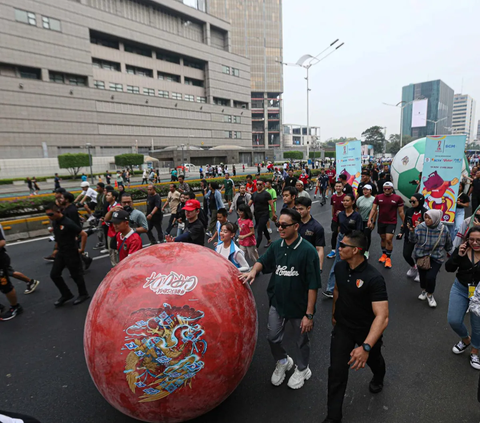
(295, 261)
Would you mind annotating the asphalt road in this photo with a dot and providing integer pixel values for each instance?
(43, 371)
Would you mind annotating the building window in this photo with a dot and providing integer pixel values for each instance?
(163, 94)
(116, 87)
(194, 82)
(226, 69)
(192, 64)
(62, 78)
(166, 57)
(106, 64)
(99, 84)
(148, 91)
(29, 73)
(241, 105)
(129, 48)
(176, 96)
(132, 89)
(237, 134)
(236, 119)
(168, 77)
(135, 70)
(189, 97)
(235, 72)
(227, 118)
(221, 101)
(201, 99)
(25, 17)
(228, 134)
(50, 23)
(101, 40)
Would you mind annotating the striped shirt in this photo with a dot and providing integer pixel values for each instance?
(425, 239)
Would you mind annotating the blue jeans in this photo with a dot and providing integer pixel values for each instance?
(331, 276)
(457, 307)
(459, 218)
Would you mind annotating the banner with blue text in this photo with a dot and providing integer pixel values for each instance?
(349, 161)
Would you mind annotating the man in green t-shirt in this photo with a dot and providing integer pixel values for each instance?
(229, 187)
(292, 292)
(273, 194)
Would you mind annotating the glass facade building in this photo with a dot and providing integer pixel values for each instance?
(440, 106)
(257, 34)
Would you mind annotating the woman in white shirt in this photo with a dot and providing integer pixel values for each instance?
(228, 249)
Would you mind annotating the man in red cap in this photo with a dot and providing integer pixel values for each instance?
(194, 231)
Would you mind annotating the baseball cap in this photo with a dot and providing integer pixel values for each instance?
(388, 184)
(84, 184)
(365, 172)
(119, 216)
(191, 205)
(367, 186)
(299, 182)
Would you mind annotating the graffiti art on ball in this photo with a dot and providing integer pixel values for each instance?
(165, 350)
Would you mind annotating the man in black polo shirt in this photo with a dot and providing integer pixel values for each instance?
(347, 188)
(261, 201)
(366, 180)
(290, 180)
(292, 292)
(154, 214)
(310, 229)
(195, 230)
(360, 315)
(68, 255)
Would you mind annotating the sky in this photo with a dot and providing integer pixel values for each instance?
(388, 44)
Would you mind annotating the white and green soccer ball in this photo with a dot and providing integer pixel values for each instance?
(406, 167)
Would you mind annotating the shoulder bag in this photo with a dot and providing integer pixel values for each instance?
(423, 263)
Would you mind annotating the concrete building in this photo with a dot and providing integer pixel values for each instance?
(463, 119)
(440, 106)
(122, 75)
(257, 34)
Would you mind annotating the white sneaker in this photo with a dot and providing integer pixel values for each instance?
(460, 347)
(269, 230)
(432, 303)
(417, 278)
(104, 251)
(278, 375)
(412, 272)
(423, 296)
(92, 217)
(475, 361)
(298, 378)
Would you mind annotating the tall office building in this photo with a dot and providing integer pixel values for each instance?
(121, 75)
(257, 34)
(463, 116)
(439, 109)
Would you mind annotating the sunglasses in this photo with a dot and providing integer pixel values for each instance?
(50, 214)
(283, 225)
(343, 245)
(384, 188)
(413, 201)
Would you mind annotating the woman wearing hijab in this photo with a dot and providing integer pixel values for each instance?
(430, 238)
(468, 223)
(413, 216)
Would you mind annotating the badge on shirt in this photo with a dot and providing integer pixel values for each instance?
(359, 283)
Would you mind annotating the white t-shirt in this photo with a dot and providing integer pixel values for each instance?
(91, 193)
(239, 257)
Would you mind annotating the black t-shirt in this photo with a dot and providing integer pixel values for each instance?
(212, 201)
(476, 188)
(3, 250)
(357, 289)
(260, 202)
(374, 173)
(66, 232)
(194, 233)
(241, 200)
(362, 184)
(72, 213)
(290, 181)
(152, 202)
(380, 185)
(312, 232)
(464, 198)
(347, 189)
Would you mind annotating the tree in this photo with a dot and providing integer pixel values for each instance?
(296, 155)
(129, 160)
(374, 136)
(393, 145)
(73, 162)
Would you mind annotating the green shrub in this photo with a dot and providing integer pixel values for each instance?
(295, 155)
(124, 160)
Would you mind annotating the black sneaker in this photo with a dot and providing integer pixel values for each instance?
(49, 258)
(328, 294)
(2, 308)
(80, 299)
(31, 286)
(62, 300)
(327, 420)
(99, 246)
(268, 244)
(88, 262)
(375, 387)
(11, 313)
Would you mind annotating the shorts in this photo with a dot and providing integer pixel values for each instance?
(228, 197)
(387, 228)
(332, 185)
(91, 205)
(5, 282)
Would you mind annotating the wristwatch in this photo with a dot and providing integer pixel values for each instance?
(366, 347)
(309, 316)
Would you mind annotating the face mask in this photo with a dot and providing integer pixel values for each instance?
(128, 209)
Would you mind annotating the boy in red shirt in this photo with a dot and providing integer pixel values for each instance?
(128, 240)
(337, 206)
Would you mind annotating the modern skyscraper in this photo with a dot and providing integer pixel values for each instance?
(463, 116)
(257, 34)
(439, 108)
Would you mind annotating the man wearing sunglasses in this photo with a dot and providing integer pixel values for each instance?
(292, 291)
(263, 203)
(387, 204)
(359, 317)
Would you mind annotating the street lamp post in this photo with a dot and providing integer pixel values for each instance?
(88, 145)
(435, 122)
(183, 160)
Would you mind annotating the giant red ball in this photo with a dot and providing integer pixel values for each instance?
(170, 333)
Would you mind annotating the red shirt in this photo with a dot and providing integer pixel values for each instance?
(331, 175)
(336, 202)
(416, 217)
(251, 188)
(129, 244)
(111, 230)
(388, 206)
